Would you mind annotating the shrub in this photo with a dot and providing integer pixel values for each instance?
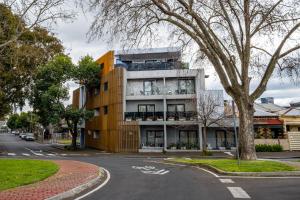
(268, 148)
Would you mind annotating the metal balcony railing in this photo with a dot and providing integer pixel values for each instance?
(155, 66)
(182, 116)
(144, 116)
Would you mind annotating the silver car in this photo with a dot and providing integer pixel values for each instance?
(29, 137)
(22, 135)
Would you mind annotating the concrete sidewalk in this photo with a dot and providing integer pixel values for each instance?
(71, 174)
(279, 155)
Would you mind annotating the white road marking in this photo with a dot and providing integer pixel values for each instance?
(97, 188)
(25, 154)
(226, 180)
(11, 154)
(215, 175)
(164, 172)
(238, 192)
(151, 170)
(38, 154)
(175, 164)
(63, 154)
(50, 154)
(228, 153)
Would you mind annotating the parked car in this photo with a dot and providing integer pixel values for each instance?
(15, 132)
(29, 137)
(22, 135)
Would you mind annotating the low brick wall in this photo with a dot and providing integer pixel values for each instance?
(283, 142)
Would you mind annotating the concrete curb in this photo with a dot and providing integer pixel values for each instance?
(79, 189)
(251, 174)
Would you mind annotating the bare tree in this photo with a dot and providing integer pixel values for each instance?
(34, 13)
(235, 36)
(210, 111)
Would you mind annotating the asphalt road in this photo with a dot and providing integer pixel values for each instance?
(144, 178)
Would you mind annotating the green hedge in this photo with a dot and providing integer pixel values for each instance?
(268, 148)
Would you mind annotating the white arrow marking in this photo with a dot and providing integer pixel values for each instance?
(25, 154)
(11, 154)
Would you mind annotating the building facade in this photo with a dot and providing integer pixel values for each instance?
(147, 101)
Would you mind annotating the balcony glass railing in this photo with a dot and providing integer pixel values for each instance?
(159, 116)
(182, 116)
(155, 66)
(144, 116)
(160, 91)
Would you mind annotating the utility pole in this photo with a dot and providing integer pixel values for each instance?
(235, 133)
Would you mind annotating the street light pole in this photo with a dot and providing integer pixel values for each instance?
(235, 133)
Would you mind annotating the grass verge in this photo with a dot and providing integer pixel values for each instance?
(14, 173)
(230, 165)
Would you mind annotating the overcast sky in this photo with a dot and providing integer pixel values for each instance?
(73, 36)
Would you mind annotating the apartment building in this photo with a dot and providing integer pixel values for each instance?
(147, 102)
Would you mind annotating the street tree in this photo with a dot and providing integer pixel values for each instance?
(19, 59)
(74, 117)
(238, 38)
(87, 72)
(13, 122)
(210, 111)
(49, 91)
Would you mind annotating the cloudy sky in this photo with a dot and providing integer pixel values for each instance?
(73, 36)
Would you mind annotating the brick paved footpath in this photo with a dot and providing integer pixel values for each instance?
(70, 175)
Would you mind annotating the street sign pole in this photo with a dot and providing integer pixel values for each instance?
(235, 133)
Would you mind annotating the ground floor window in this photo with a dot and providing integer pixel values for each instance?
(188, 139)
(155, 138)
(224, 139)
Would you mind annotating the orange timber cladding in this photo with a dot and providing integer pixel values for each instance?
(116, 135)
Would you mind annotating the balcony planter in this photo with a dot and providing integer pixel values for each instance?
(128, 119)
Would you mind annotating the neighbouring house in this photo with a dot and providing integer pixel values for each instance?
(145, 103)
(274, 124)
(291, 126)
(268, 126)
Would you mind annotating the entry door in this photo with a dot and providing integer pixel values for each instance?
(220, 139)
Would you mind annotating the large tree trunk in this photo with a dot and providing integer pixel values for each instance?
(246, 131)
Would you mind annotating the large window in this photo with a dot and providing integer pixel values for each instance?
(146, 108)
(186, 86)
(155, 138)
(176, 108)
(149, 87)
(189, 138)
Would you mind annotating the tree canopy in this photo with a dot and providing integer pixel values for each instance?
(49, 92)
(87, 72)
(20, 58)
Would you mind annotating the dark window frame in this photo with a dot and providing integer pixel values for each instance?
(105, 86)
(153, 81)
(188, 136)
(105, 110)
(186, 89)
(102, 66)
(155, 136)
(173, 104)
(146, 108)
